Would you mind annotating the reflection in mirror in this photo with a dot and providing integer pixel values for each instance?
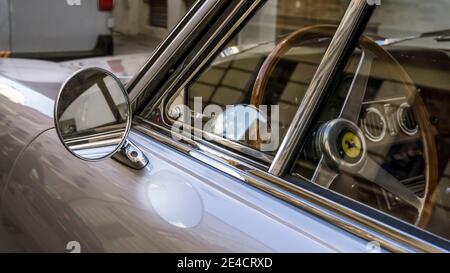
(92, 114)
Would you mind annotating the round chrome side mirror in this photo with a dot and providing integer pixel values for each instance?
(93, 114)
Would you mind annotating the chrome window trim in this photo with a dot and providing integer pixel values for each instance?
(178, 37)
(265, 160)
(261, 159)
(170, 90)
(319, 84)
(342, 216)
(213, 148)
(138, 88)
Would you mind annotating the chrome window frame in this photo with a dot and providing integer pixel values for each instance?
(238, 13)
(341, 215)
(331, 64)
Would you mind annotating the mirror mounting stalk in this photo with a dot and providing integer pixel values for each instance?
(131, 156)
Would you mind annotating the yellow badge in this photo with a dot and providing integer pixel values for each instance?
(351, 144)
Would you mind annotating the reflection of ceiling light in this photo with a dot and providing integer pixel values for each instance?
(176, 201)
(298, 4)
(12, 94)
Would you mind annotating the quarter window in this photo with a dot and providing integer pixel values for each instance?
(241, 102)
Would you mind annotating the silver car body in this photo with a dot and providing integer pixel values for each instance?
(123, 66)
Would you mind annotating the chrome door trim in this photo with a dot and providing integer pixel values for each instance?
(319, 84)
(354, 222)
(203, 145)
(262, 160)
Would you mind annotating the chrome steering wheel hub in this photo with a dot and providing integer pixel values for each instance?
(342, 144)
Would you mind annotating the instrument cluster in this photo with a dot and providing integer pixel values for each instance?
(388, 119)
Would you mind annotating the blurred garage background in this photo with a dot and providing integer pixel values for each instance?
(83, 30)
(120, 35)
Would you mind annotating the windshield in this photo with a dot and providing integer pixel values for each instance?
(410, 19)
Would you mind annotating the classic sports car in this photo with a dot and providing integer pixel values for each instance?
(256, 126)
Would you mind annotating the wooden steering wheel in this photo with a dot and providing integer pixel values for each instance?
(423, 205)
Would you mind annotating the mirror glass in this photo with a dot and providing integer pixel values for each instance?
(92, 114)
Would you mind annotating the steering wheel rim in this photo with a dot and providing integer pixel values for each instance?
(412, 96)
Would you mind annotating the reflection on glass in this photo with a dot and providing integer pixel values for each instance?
(92, 114)
(402, 116)
(229, 81)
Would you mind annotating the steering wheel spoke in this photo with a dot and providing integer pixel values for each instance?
(355, 97)
(324, 175)
(373, 172)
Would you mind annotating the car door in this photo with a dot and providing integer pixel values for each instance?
(175, 204)
(4, 26)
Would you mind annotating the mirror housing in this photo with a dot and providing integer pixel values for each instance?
(92, 114)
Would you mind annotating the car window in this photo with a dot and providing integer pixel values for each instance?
(240, 103)
(382, 136)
